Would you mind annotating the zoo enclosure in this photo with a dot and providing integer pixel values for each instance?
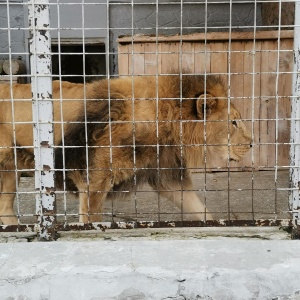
(257, 65)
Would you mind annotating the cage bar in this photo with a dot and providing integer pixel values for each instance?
(41, 85)
(295, 124)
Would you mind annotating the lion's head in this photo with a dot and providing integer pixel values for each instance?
(219, 126)
(226, 135)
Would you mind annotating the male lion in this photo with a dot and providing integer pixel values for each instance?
(132, 131)
(151, 130)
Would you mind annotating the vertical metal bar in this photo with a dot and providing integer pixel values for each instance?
(253, 100)
(295, 124)
(277, 110)
(41, 82)
(9, 39)
(108, 68)
(156, 106)
(228, 114)
(133, 105)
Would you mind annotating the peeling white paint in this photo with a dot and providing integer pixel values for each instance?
(295, 123)
(41, 84)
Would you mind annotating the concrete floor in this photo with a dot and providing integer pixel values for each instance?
(149, 264)
(245, 195)
(218, 269)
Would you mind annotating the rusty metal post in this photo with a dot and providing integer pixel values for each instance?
(41, 81)
(295, 128)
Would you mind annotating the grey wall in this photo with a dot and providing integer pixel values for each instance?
(144, 15)
(75, 16)
(15, 22)
(125, 19)
(70, 18)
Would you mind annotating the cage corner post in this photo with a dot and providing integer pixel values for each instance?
(42, 108)
(295, 130)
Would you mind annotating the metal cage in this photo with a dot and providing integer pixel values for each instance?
(252, 46)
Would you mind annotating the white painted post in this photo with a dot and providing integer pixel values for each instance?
(41, 81)
(295, 126)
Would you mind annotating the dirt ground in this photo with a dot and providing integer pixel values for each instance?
(238, 195)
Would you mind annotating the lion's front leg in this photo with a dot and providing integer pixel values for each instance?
(90, 206)
(91, 198)
(192, 207)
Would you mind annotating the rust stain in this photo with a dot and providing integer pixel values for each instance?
(50, 190)
(146, 224)
(46, 168)
(45, 144)
(173, 224)
(296, 233)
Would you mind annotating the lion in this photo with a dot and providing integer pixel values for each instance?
(129, 131)
(16, 130)
(150, 129)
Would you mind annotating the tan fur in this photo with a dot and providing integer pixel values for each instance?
(152, 130)
(73, 95)
(157, 144)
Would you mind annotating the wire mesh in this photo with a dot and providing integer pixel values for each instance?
(125, 126)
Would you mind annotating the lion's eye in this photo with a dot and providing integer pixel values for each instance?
(234, 123)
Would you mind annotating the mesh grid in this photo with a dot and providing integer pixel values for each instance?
(123, 121)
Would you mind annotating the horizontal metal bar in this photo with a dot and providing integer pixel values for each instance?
(152, 224)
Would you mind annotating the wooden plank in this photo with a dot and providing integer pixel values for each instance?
(219, 59)
(169, 57)
(138, 59)
(209, 36)
(237, 74)
(136, 53)
(152, 58)
(123, 62)
(188, 57)
(236, 91)
(284, 92)
(268, 103)
(202, 57)
(130, 66)
(252, 62)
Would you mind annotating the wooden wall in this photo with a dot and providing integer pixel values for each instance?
(257, 67)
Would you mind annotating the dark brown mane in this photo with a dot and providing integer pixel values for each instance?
(92, 126)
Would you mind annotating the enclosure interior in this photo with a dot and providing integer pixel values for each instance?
(249, 44)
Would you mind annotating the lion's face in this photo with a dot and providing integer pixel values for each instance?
(227, 135)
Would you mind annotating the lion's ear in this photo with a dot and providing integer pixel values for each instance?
(205, 102)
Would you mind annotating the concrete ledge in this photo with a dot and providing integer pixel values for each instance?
(137, 269)
(264, 233)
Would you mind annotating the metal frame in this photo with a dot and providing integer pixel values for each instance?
(295, 129)
(40, 51)
(41, 84)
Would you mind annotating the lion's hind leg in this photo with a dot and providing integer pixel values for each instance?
(7, 196)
